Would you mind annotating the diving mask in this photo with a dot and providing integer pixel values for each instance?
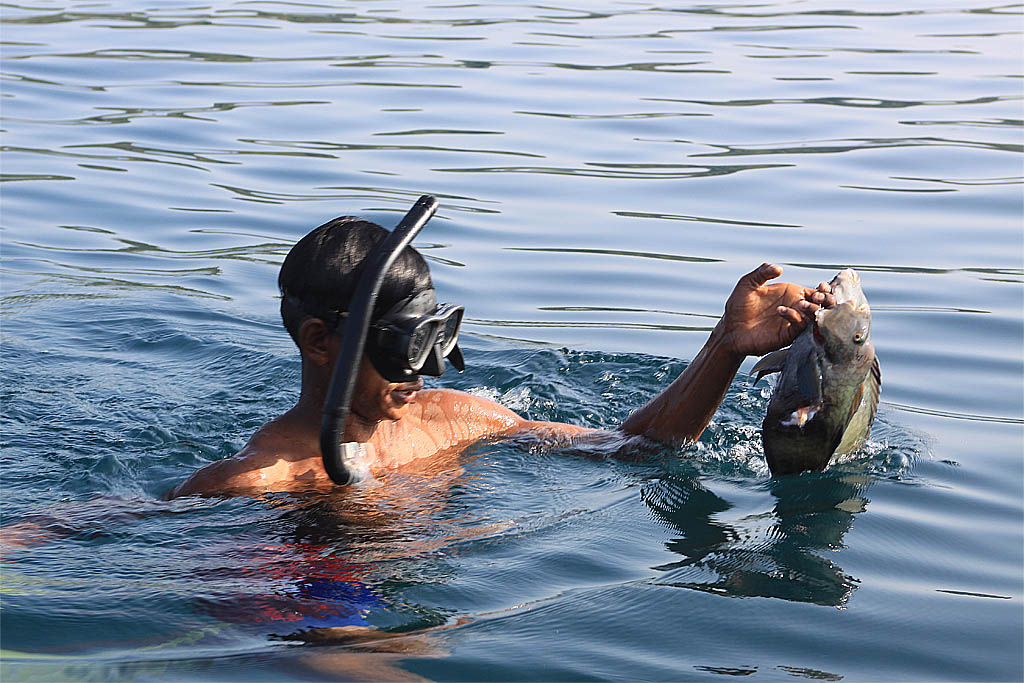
(414, 338)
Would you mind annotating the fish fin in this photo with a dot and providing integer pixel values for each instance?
(859, 426)
(773, 362)
(854, 405)
(808, 382)
(873, 386)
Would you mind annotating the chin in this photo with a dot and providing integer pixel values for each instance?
(394, 413)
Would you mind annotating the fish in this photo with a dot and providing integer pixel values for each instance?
(827, 392)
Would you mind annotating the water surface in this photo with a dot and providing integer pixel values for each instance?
(606, 172)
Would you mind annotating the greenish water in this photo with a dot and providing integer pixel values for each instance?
(606, 172)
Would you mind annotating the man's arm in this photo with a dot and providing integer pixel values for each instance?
(758, 318)
(222, 477)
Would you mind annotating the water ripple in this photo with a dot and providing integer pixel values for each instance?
(834, 101)
(636, 172)
(839, 146)
(124, 115)
(617, 252)
(955, 415)
(701, 219)
(141, 339)
(348, 147)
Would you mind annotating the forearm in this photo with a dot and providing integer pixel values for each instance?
(546, 434)
(682, 411)
(583, 442)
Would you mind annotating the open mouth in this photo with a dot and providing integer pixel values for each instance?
(406, 393)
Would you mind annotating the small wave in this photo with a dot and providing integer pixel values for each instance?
(954, 414)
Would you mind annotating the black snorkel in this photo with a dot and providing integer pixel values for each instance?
(339, 395)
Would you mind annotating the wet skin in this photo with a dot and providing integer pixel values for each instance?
(403, 423)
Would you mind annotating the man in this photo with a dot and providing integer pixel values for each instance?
(396, 422)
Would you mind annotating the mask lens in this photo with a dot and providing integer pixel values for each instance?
(450, 332)
(411, 339)
(420, 343)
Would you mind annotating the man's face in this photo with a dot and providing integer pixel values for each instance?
(378, 399)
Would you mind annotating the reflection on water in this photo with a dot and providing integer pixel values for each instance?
(777, 554)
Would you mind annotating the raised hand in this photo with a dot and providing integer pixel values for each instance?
(761, 317)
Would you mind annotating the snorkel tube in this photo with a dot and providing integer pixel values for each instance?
(340, 468)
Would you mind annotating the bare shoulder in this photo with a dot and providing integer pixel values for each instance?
(467, 416)
(455, 419)
(270, 460)
(477, 417)
(213, 478)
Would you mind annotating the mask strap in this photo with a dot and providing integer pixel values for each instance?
(427, 294)
(357, 323)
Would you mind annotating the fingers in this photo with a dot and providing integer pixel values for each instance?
(829, 299)
(819, 298)
(761, 275)
(822, 296)
(822, 299)
(791, 315)
(807, 308)
(802, 310)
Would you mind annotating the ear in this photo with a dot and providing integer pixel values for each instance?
(317, 341)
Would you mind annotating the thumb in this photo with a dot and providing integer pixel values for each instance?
(760, 275)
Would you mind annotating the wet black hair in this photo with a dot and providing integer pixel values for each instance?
(321, 272)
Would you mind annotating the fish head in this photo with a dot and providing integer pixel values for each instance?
(846, 289)
(843, 332)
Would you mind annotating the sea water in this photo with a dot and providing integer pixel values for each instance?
(606, 172)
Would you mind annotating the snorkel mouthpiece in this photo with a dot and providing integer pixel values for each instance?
(339, 395)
